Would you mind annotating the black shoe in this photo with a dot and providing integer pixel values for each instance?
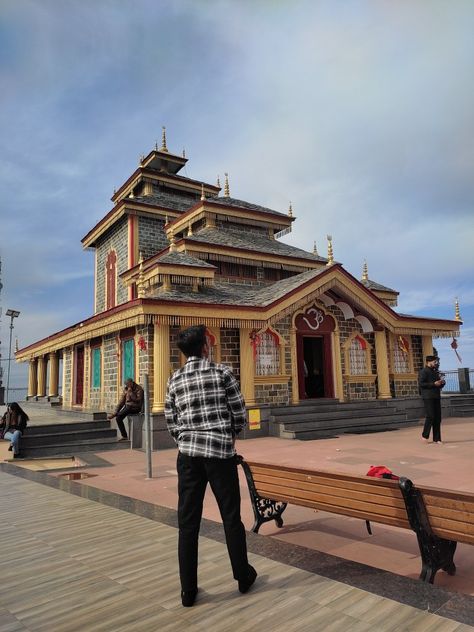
(18, 456)
(188, 597)
(245, 584)
(10, 448)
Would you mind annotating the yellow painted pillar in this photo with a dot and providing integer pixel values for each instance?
(53, 374)
(381, 358)
(42, 365)
(337, 367)
(161, 365)
(426, 346)
(247, 368)
(32, 379)
(295, 393)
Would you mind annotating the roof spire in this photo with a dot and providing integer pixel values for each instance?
(226, 186)
(290, 211)
(365, 272)
(184, 153)
(315, 249)
(163, 140)
(330, 252)
(218, 182)
(203, 197)
(156, 145)
(172, 242)
(457, 313)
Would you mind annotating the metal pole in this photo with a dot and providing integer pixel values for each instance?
(147, 426)
(9, 359)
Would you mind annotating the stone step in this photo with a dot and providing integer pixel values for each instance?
(335, 431)
(343, 423)
(74, 448)
(72, 436)
(340, 414)
(33, 431)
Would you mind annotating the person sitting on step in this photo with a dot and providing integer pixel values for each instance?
(130, 403)
(13, 426)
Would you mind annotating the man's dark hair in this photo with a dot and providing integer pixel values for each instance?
(431, 358)
(192, 340)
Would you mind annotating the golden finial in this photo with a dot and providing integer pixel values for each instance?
(365, 272)
(163, 140)
(218, 182)
(132, 194)
(184, 153)
(315, 250)
(172, 242)
(141, 159)
(226, 185)
(115, 190)
(330, 252)
(16, 346)
(457, 313)
(203, 197)
(156, 145)
(290, 211)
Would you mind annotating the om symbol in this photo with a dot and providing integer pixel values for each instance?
(314, 317)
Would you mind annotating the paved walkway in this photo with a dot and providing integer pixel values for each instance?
(73, 565)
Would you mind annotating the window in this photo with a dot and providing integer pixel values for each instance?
(267, 352)
(128, 360)
(401, 355)
(96, 367)
(358, 356)
(111, 279)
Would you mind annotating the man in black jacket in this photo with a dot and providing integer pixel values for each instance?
(431, 384)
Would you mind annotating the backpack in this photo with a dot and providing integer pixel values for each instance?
(380, 471)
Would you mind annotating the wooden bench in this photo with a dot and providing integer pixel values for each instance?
(440, 518)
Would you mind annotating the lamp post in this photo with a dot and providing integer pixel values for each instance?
(13, 313)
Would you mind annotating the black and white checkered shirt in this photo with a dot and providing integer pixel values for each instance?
(204, 409)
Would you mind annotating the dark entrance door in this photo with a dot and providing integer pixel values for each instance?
(314, 332)
(79, 376)
(313, 358)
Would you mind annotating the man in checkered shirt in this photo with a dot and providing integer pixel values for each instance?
(205, 411)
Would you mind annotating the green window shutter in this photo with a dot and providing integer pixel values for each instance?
(128, 360)
(96, 361)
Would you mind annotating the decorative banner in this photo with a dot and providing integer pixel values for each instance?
(254, 341)
(142, 344)
(454, 347)
(362, 342)
(403, 344)
(254, 419)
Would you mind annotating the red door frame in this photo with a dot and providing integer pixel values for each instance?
(79, 381)
(314, 323)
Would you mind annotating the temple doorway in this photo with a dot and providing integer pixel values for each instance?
(314, 332)
(313, 354)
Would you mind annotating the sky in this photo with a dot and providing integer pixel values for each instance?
(359, 112)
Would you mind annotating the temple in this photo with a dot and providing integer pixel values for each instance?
(293, 325)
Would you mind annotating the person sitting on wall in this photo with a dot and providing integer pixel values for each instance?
(13, 426)
(130, 403)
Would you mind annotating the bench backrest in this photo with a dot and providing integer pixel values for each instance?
(377, 500)
(450, 513)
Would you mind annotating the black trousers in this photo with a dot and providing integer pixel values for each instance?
(433, 418)
(120, 416)
(193, 475)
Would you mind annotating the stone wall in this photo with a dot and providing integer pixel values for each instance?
(67, 375)
(115, 239)
(110, 359)
(271, 394)
(230, 350)
(151, 236)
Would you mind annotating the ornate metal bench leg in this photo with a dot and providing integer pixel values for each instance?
(264, 509)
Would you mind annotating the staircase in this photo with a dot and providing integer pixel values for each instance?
(461, 405)
(67, 433)
(317, 419)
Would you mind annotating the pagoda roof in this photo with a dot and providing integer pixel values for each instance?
(248, 206)
(250, 241)
(164, 200)
(183, 259)
(373, 285)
